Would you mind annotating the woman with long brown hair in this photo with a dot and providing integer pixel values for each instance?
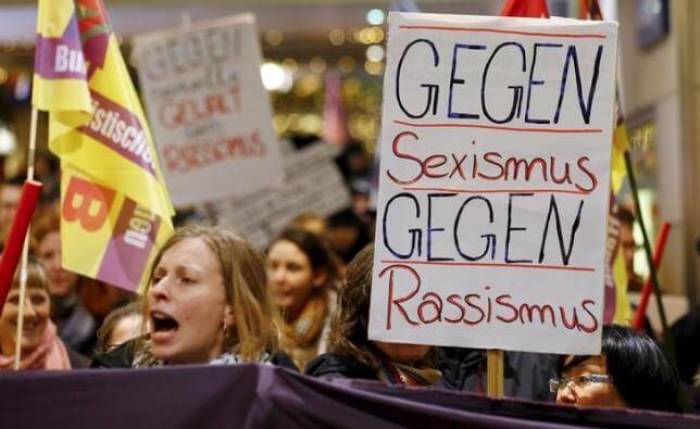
(301, 280)
(206, 302)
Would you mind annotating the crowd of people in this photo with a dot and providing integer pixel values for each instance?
(303, 304)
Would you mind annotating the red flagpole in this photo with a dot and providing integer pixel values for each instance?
(15, 241)
(638, 319)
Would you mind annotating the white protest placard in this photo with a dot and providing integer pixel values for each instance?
(313, 184)
(494, 183)
(210, 115)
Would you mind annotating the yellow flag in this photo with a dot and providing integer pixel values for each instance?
(620, 146)
(60, 77)
(622, 315)
(115, 208)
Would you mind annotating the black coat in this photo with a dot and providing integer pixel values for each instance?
(120, 357)
(525, 375)
(332, 365)
(77, 361)
(123, 357)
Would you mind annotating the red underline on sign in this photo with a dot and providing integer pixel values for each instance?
(493, 30)
(497, 191)
(489, 265)
(497, 127)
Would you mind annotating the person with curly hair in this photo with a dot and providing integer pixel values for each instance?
(352, 355)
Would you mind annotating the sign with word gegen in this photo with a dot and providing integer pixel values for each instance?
(210, 114)
(494, 183)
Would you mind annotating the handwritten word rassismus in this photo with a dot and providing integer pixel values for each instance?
(183, 158)
(410, 302)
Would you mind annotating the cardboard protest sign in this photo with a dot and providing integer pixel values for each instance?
(313, 184)
(210, 114)
(494, 183)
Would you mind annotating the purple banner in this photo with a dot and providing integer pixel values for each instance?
(263, 396)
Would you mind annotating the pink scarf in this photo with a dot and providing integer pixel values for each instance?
(51, 354)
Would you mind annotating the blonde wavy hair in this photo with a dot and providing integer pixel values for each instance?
(245, 282)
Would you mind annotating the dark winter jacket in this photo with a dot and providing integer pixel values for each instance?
(77, 360)
(526, 375)
(332, 365)
(123, 357)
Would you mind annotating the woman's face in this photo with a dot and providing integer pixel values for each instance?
(127, 328)
(589, 394)
(291, 277)
(187, 303)
(36, 320)
(61, 282)
(407, 354)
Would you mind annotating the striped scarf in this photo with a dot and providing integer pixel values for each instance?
(396, 374)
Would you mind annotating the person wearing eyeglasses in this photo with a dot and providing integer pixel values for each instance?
(631, 372)
(120, 326)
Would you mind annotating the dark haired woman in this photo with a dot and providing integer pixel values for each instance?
(121, 325)
(301, 279)
(631, 372)
(353, 355)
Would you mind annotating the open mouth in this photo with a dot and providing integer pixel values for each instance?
(28, 325)
(163, 323)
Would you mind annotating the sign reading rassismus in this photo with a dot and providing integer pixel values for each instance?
(494, 183)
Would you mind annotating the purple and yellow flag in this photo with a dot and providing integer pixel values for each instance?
(115, 208)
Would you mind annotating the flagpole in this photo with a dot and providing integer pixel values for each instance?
(31, 151)
(638, 320)
(495, 357)
(494, 373)
(647, 244)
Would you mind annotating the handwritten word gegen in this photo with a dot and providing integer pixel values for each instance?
(477, 92)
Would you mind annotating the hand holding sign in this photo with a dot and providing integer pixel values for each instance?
(491, 217)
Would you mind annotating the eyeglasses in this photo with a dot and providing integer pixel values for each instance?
(555, 384)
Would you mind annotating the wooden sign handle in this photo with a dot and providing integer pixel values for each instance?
(494, 373)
